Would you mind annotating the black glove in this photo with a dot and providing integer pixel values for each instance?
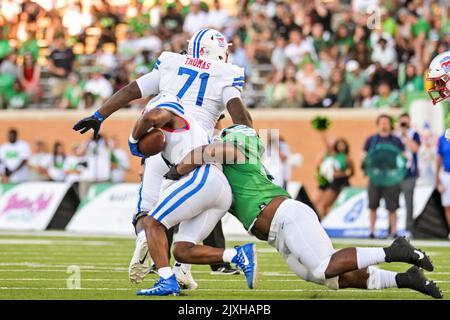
(92, 122)
(172, 174)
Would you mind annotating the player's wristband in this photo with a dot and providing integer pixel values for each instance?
(97, 115)
(132, 140)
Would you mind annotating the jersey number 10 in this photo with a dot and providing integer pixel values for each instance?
(192, 74)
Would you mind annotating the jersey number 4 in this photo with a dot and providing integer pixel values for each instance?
(192, 75)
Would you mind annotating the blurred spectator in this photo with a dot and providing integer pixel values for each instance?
(339, 94)
(30, 45)
(386, 97)
(367, 100)
(105, 61)
(14, 156)
(56, 168)
(335, 170)
(73, 166)
(98, 163)
(196, 19)
(17, 98)
(298, 47)
(39, 161)
(278, 58)
(384, 54)
(128, 46)
(61, 61)
(411, 140)
(98, 86)
(29, 77)
(238, 56)
(73, 93)
(9, 65)
(150, 42)
(443, 175)
(220, 20)
(412, 81)
(314, 96)
(171, 22)
(356, 78)
(119, 161)
(259, 44)
(390, 194)
(286, 93)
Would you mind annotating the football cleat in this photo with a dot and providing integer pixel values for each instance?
(402, 251)
(226, 270)
(245, 259)
(416, 280)
(184, 276)
(140, 262)
(162, 287)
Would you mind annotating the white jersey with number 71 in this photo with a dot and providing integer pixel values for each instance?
(199, 83)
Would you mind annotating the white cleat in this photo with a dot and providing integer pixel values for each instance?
(184, 276)
(140, 262)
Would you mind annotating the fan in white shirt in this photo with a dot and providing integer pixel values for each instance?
(196, 19)
(14, 155)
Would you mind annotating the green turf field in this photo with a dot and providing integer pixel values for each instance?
(38, 267)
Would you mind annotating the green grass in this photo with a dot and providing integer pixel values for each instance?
(36, 267)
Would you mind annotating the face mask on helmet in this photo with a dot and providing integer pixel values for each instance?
(440, 89)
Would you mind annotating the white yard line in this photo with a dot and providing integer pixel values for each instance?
(225, 290)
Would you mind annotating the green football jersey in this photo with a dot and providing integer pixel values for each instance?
(252, 189)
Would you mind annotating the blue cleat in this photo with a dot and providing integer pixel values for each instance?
(162, 287)
(246, 260)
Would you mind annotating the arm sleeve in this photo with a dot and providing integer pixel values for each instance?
(149, 83)
(229, 93)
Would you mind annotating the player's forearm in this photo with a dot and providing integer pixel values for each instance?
(191, 161)
(239, 114)
(120, 99)
(141, 127)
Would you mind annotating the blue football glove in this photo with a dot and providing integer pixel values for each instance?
(92, 122)
(133, 144)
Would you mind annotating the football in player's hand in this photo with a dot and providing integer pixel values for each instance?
(152, 143)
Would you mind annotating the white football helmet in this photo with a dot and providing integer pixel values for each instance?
(208, 44)
(439, 74)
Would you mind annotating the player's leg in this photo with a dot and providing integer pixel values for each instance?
(182, 200)
(152, 177)
(217, 239)
(391, 197)
(374, 194)
(192, 232)
(304, 237)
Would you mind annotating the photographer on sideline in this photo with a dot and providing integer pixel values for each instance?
(411, 140)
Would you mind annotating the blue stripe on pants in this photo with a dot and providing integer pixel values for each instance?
(175, 192)
(187, 195)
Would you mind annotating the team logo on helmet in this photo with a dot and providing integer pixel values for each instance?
(445, 63)
(221, 40)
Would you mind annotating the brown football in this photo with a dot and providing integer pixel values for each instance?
(152, 143)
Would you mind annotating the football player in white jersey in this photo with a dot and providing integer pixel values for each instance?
(206, 83)
(197, 202)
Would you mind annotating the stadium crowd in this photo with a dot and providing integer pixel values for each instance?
(297, 54)
(94, 160)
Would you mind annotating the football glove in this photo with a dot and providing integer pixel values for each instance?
(172, 174)
(92, 122)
